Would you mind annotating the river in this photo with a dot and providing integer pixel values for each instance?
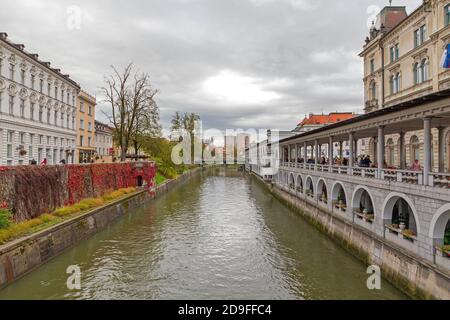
(217, 236)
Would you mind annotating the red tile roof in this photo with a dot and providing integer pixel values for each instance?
(325, 119)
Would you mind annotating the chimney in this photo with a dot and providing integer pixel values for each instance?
(3, 35)
(390, 17)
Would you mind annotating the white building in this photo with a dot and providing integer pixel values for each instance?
(37, 108)
(262, 158)
(104, 141)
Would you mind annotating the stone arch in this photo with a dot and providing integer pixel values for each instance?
(309, 187)
(439, 224)
(389, 208)
(339, 196)
(299, 184)
(362, 200)
(291, 181)
(322, 190)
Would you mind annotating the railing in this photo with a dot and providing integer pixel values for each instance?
(440, 180)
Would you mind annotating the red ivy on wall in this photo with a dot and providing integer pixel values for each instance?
(34, 190)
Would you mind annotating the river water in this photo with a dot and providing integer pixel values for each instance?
(218, 236)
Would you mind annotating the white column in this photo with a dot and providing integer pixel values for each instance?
(402, 151)
(351, 151)
(330, 150)
(305, 151)
(380, 150)
(427, 149)
(441, 151)
(316, 153)
(289, 155)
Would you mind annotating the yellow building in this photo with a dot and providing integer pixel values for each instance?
(85, 128)
(402, 61)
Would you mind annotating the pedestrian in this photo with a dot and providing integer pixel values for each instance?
(33, 162)
(43, 162)
(415, 166)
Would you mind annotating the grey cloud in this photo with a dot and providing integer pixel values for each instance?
(304, 51)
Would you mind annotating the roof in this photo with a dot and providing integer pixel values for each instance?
(327, 119)
(374, 114)
(34, 57)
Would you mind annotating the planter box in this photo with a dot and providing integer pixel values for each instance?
(396, 236)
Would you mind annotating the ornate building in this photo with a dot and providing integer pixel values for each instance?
(403, 61)
(86, 128)
(37, 108)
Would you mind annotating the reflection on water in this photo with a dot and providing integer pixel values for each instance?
(218, 236)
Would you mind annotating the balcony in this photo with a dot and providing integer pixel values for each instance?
(371, 105)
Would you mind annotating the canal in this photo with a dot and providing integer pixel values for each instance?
(218, 236)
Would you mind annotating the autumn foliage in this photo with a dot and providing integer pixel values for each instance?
(30, 191)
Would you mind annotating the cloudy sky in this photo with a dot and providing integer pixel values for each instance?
(237, 63)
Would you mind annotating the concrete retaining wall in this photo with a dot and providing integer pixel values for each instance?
(413, 275)
(21, 256)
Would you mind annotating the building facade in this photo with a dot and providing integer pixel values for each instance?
(37, 109)
(403, 61)
(104, 142)
(86, 149)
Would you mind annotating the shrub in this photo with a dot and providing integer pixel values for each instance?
(5, 218)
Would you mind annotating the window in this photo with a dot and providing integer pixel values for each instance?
(41, 139)
(372, 66)
(49, 87)
(48, 115)
(11, 72)
(447, 14)
(22, 76)
(81, 106)
(9, 147)
(41, 112)
(419, 36)
(62, 119)
(41, 85)
(48, 140)
(421, 71)
(32, 111)
(68, 121)
(56, 93)
(40, 155)
(90, 110)
(68, 97)
(22, 138)
(32, 81)
(81, 141)
(11, 105)
(73, 123)
(394, 52)
(89, 126)
(415, 148)
(56, 118)
(373, 91)
(81, 124)
(22, 108)
(62, 95)
(89, 141)
(395, 83)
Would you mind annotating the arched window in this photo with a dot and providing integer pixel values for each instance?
(373, 90)
(424, 70)
(416, 73)
(415, 148)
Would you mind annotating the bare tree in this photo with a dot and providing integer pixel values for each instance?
(129, 96)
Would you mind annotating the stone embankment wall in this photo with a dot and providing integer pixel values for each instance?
(411, 274)
(30, 191)
(20, 257)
